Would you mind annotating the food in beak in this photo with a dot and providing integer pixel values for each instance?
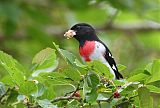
(69, 34)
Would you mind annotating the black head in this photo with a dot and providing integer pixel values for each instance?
(84, 32)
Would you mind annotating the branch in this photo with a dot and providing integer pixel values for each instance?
(141, 26)
(65, 98)
(69, 97)
(59, 31)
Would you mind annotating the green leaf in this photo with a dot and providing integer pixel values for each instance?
(92, 96)
(56, 46)
(102, 89)
(89, 88)
(40, 90)
(144, 97)
(99, 67)
(15, 70)
(20, 105)
(54, 78)
(135, 72)
(153, 88)
(12, 97)
(48, 93)
(72, 104)
(92, 80)
(120, 102)
(59, 81)
(61, 90)
(138, 77)
(45, 60)
(156, 83)
(118, 82)
(128, 90)
(27, 88)
(2, 89)
(72, 73)
(79, 64)
(21, 98)
(155, 71)
(69, 57)
(8, 80)
(149, 67)
(43, 55)
(103, 96)
(121, 67)
(46, 104)
(86, 89)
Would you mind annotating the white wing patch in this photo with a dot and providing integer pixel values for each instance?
(113, 67)
(110, 55)
(98, 54)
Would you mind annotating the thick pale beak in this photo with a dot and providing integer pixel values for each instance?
(69, 34)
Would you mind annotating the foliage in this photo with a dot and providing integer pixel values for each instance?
(86, 85)
(130, 28)
(35, 24)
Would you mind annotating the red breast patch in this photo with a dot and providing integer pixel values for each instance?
(87, 49)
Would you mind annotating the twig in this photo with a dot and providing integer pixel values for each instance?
(140, 26)
(71, 96)
(65, 98)
(73, 91)
(77, 89)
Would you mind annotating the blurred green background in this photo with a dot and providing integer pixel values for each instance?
(130, 28)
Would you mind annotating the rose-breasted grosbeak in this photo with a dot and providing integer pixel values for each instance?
(91, 47)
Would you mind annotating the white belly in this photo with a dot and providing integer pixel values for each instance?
(98, 54)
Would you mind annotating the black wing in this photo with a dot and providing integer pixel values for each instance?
(108, 56)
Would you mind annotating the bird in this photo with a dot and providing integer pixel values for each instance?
(92, 48)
